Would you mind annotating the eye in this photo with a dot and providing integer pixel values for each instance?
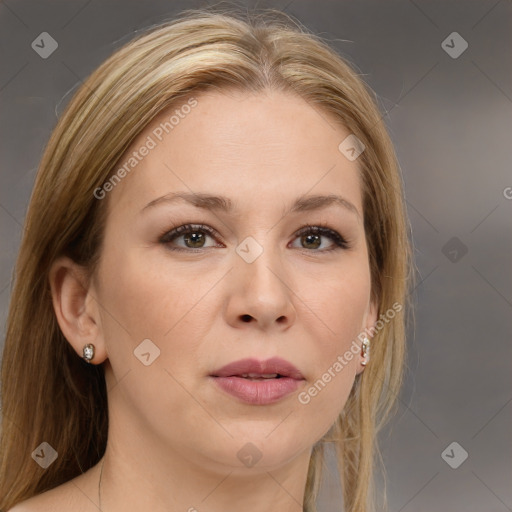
(193, 235)
(311, 238)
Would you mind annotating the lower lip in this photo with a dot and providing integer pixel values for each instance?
(258, 392)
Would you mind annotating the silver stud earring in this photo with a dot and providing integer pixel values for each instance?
(88, 352)
(365, 351)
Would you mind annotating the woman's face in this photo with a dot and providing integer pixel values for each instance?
(248, 281)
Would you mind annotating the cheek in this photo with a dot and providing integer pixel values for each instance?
(340, 302)
(340, 306)
(144, 297)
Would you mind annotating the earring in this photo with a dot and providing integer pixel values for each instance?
(365, 351)
(88, 352)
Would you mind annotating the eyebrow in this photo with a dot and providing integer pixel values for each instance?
(224, 204)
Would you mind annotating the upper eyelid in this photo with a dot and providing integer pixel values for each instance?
(188, 227)
(212, 231)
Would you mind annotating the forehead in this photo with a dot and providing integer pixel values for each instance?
(256, 148)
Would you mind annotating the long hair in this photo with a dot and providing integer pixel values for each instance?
(48, 393)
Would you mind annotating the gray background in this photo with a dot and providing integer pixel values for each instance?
(451, 122)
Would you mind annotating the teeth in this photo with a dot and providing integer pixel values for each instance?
(259, 376)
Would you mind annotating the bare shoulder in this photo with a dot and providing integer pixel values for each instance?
(56, 499)
(77, 495)
(49, 500)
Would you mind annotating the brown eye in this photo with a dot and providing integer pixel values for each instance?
(193, 237)
(311, 238)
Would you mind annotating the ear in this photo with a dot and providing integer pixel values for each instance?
(75, 307)
(368, 326)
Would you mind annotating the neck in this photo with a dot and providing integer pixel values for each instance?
(127, 484)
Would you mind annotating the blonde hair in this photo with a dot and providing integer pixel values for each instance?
(48, 393)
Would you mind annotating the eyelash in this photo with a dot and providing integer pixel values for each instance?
(317, 229)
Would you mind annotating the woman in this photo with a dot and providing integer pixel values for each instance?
(215, 239)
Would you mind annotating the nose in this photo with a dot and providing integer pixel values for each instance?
(260, 293)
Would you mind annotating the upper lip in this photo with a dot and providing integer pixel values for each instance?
(269, 366)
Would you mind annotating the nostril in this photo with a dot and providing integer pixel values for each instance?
(246, 318)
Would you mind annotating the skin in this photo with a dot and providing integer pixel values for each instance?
(174, 435)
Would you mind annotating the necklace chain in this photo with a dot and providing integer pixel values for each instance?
(99, 486)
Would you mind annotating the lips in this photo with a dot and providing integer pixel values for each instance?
(258, 382)
(253, 368)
